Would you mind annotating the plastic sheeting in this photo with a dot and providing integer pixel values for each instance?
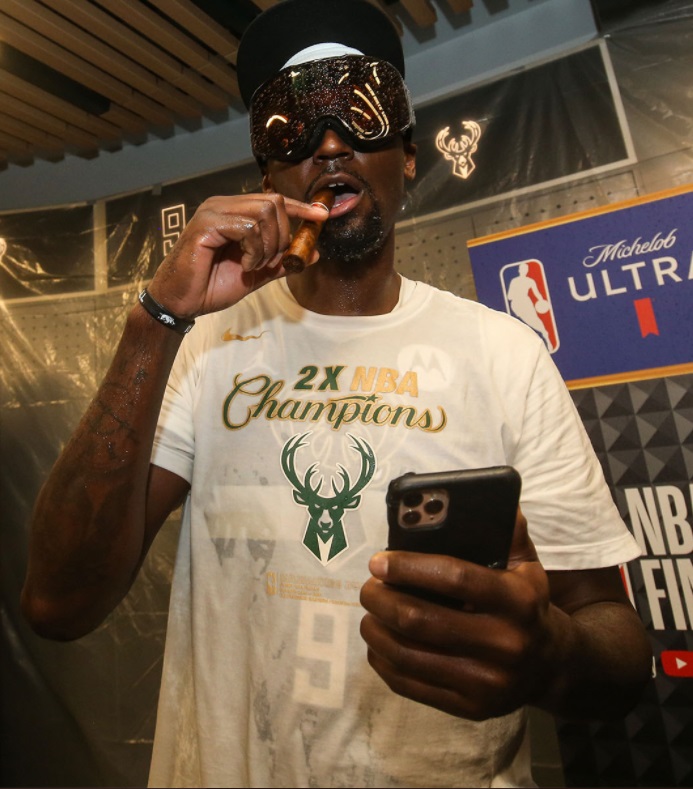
(83, 713)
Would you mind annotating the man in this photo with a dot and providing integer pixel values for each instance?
(292, 403)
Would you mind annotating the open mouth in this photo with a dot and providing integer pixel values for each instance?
(346, 197)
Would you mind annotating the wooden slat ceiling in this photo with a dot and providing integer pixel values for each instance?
(82, 76)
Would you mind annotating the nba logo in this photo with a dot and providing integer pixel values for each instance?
(526, 294)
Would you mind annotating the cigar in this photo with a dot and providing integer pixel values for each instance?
(300, 251)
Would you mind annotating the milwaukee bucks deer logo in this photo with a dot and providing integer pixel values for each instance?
(325, 536)
(459, 150)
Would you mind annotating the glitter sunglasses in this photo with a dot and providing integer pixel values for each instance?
(363, 99)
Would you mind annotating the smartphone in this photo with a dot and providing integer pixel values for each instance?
(469, 514)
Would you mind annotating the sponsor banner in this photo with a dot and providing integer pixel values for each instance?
(642, 432)
(609, 291)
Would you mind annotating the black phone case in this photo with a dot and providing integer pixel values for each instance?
(477, 516)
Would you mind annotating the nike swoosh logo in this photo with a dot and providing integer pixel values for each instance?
(227, 336)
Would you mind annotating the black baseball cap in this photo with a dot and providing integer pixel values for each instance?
(291, 26)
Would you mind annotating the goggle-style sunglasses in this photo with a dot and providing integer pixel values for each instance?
(365, 99)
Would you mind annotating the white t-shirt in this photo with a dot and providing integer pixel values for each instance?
(285, 422)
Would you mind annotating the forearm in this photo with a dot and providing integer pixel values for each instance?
(88, 526)
(600, 664)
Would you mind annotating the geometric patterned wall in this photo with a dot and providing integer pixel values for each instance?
(643, 434)
(642, 430)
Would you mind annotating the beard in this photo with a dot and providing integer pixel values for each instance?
(341, 242)
(353, 243)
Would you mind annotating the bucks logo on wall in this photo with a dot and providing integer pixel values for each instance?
(325, 536)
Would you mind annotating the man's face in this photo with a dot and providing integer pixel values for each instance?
(369, 190)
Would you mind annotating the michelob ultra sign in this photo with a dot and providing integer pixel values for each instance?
(610, 291)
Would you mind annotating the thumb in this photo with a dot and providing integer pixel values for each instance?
(522, 548)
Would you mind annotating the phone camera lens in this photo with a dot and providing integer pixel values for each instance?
(412, 499)
(433, 506)
(411, 518)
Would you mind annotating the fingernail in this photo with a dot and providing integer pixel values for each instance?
(378, 564)
(316, 204)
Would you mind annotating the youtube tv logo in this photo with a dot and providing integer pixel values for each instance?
(677, 663)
